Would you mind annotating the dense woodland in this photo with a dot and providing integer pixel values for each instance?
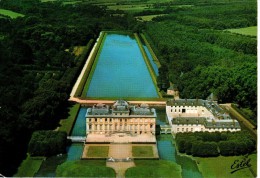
(206, 144)
(200, 57)
(36, 73)
(38, 68)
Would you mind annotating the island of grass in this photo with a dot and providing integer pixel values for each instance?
(98, 151)
(90, 168)
(67, 124)
(10, 14)
(154, 169)
(29, 166)
(142, 151)
(250, 31)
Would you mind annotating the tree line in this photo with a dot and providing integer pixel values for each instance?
(207, 144)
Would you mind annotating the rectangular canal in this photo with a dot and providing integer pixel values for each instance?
(121, 70)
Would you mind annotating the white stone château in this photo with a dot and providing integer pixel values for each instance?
(120, 118)
(191, 115)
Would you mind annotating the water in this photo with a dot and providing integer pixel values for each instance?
(121, 70)
(79, 128)
(155, 68)
(167, 151)
(74, 152)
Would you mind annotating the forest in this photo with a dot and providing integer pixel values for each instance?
(200, 57)
(38, 67)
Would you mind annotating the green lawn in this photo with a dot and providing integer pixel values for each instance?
(251, 31)
(11, 14)
(83, 168)
(149, 17)
(154, 169)
(220, 167)
(98, 151)
(253, 162)
(142, 151)
(67, 124)
(29, 166)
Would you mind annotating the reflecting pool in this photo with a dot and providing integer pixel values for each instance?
(121, 70)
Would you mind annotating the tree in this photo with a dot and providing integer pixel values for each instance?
(47, 143)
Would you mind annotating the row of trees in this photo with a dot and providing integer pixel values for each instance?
(205, 144)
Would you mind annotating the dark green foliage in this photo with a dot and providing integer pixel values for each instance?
(206, 144)
(47, 143)
(201, 57)
(38, 68)
(205, 149)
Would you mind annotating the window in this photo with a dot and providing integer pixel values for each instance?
(191, 129)
(178, 129)
(187, 129)
(95, 120)
(110, 120)
(106, 120)
(90, 126)
(120, 120)
(151, 126)
(182, 129)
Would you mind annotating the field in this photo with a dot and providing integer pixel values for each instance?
(142, 151)
(29, 166)
(250, 31)
(98, 151)
(148, 17)
(221, 167)
(11, 14)
(84, 169)
(154, 169)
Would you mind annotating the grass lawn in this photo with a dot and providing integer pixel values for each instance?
(98, 151)
(83, 168)
(253, 162)
(251, 31)
(67, 124)
(154, 169)
(142, 151)
(11, 14)
(220, 167)
(29, 166)
(149, 17)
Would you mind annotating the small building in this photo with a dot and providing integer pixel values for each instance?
(120, 118)
(191, 115)
(173, 91)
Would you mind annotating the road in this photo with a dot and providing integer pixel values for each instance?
(240, 118)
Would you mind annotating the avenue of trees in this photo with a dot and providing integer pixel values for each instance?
(206, 144)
